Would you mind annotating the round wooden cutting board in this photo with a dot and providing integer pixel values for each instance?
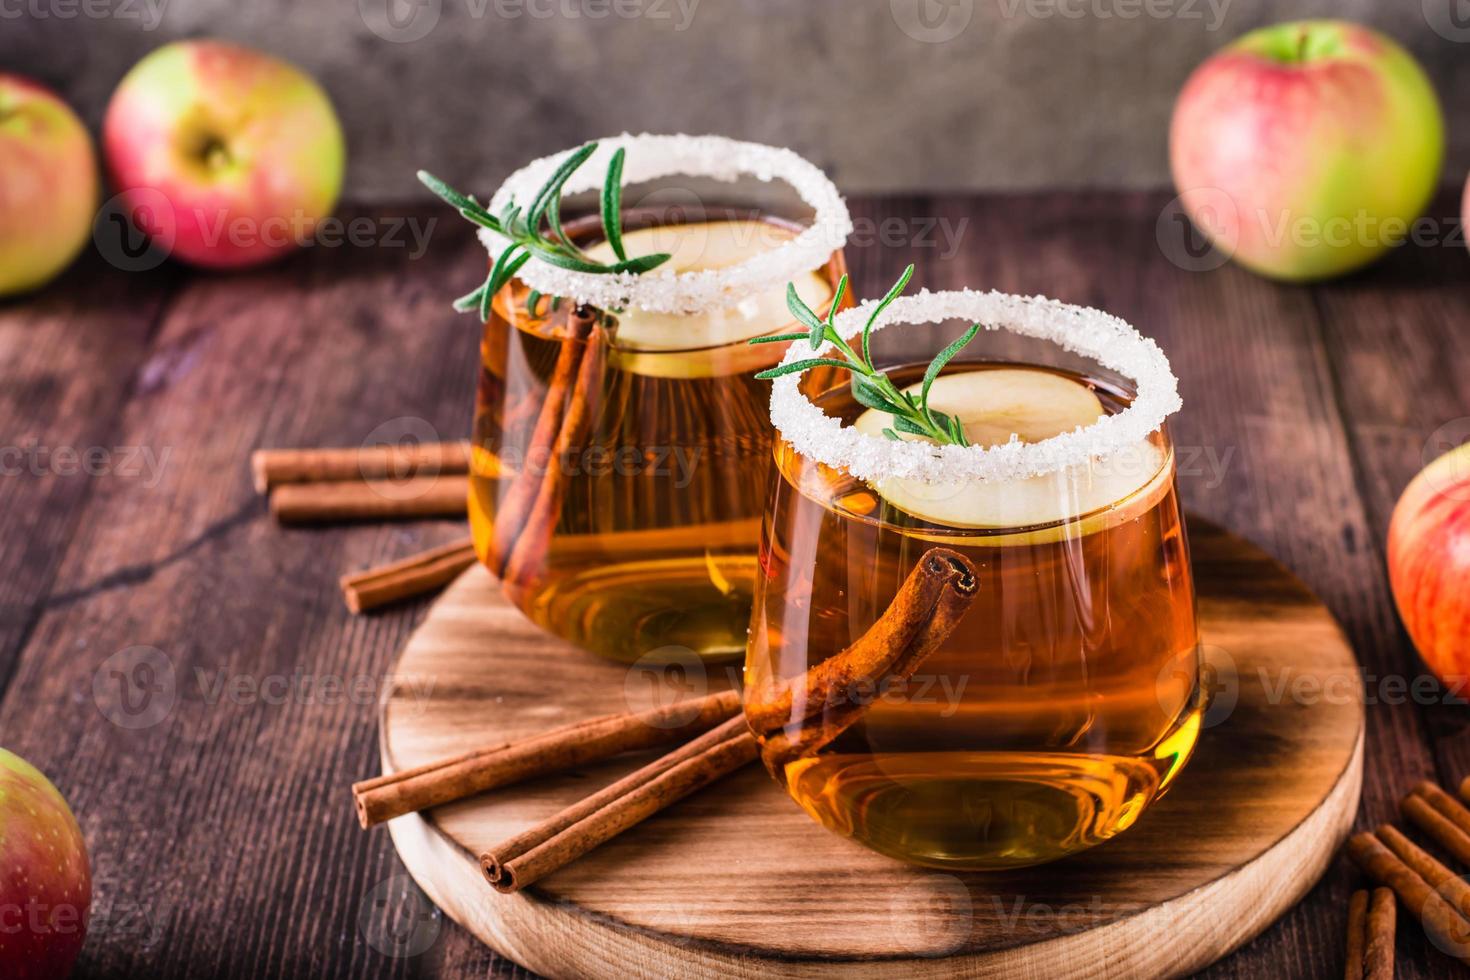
(738, 881)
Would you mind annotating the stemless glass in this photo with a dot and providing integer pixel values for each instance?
(1066, 699)
(634, 532)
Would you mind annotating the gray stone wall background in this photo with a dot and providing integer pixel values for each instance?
(887, 94)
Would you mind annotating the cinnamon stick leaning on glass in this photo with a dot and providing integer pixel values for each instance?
(926, 610)
(526, 514)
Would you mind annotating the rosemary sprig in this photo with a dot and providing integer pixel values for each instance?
(537, 232)
(870, 386)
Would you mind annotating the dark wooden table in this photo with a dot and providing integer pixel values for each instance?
(214, 801)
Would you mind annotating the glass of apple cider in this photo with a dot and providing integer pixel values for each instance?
(1063, 697)
(621, 446)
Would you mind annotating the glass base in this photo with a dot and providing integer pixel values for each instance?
(985, 811)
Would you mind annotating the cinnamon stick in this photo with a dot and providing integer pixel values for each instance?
(1357, 934)
(273, 467)
(925, 611)
(423, 496)
(1450, 886)
(1441, 817)
(446, 780)
(1382, 922)
(554, 843)
(413, 576)
(1446, 927)
(537, 485)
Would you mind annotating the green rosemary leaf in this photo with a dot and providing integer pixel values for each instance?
(487, 296)
(642, 263)
(514, 222)
(482, 219)
(553, 221)
(892, 295)
(837, 298)
(546, 253)
(533, 300)
(804, 313)
(796, 366)
(957, 431)
(553, 186)
(905, 424)
(891, 434)
(460, 202)
(870, 395)
(612, 205)
(506, 266)
(470, 301)
(939, 362)
(779, 338)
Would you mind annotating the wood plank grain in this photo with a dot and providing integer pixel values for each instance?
(69, 358)
(221, 819)
(1400, 357)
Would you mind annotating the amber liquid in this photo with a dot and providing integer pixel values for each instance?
(653, 550)
(1062, 706)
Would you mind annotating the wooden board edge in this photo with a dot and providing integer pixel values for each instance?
(1220, 917)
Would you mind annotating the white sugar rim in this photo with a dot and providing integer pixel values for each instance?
(1110, 341)
(651, 157)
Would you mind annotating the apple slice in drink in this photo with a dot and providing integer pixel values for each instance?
(1030, 404)
(713, 342)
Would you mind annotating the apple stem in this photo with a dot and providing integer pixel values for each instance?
(215, 154)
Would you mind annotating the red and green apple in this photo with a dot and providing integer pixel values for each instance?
(45, 881)
(1429, 565)
(1307, 149)
(225, 156)
(48, 185)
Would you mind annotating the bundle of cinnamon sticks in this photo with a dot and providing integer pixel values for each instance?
(386, 482)
(1431, 892)
(783, 721)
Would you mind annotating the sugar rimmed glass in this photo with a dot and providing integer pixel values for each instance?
(633, 532)
(1066, 700)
